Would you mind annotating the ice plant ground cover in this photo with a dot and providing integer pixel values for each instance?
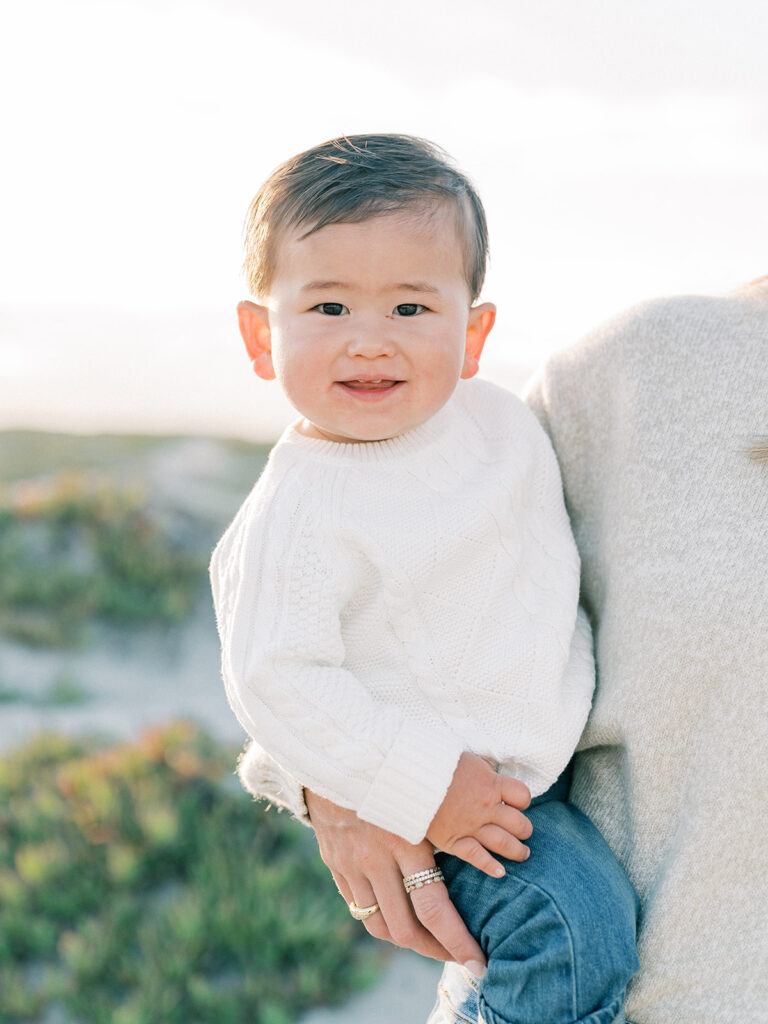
(139, 884)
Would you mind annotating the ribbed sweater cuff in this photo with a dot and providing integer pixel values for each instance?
(412, 782)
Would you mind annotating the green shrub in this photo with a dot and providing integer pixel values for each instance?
(139, 885)
(62, 691)
(72, 551)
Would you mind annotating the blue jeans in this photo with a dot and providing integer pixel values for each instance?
(558, 930)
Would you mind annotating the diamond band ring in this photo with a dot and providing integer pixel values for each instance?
(420, 878)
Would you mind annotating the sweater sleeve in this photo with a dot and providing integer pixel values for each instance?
(279, 593)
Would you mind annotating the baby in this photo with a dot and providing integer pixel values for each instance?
(397, 599)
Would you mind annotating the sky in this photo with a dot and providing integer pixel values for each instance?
(621, 151)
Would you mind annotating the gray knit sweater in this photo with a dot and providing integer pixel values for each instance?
(651, 416)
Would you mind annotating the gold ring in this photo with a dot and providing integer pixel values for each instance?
(361, 913)
(420, 878)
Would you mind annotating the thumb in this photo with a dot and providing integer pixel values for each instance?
(434, 909)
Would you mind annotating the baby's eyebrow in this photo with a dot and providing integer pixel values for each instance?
(404, 286)
(318, 286)
(418, 286)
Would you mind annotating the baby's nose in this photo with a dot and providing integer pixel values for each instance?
(371, 340)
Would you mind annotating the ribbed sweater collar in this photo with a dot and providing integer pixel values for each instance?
(438, 431)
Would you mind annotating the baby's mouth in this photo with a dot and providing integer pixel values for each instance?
(369, 385)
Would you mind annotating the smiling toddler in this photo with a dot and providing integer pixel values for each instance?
(397, 599)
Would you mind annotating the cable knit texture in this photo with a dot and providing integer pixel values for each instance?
(652, 417)
(385, 606)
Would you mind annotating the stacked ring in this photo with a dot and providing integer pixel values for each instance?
(361, 913)
(420, 878)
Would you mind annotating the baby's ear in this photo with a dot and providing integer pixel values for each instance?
(481, 320)
(254, 327)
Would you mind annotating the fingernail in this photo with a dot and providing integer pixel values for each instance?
(476, 968)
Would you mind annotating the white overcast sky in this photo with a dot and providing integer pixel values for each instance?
(621, 150)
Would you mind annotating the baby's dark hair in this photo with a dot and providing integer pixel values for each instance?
(352, 179)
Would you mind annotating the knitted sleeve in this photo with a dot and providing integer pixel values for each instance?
(280, 582)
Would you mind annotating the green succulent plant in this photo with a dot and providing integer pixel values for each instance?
(139, 884)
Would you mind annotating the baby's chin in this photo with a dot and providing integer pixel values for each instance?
(340, 436)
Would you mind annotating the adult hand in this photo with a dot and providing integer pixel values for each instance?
(368, 865)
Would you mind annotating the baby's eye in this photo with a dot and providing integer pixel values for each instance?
(331, 309)
(409, 309)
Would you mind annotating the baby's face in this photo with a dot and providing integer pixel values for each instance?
(369, 323)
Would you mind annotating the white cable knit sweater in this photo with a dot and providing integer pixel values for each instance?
(385, 606)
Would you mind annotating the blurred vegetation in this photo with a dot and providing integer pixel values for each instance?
(62, 692)
(28, 453)
(140, 885)
(34, 453)
(73, 551)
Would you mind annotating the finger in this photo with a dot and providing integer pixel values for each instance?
(473, 853)
(360, 891)
(397, 922)
(347, 893)
(514, 792)
(512, 821)
(437, 914)
(345, 889)
(498, 840)
(363, 896)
